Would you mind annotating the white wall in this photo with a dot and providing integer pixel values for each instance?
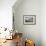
(6, 13)
(32, 30)
(43, 22)
(29, 7)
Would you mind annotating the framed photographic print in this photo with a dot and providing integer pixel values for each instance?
(29, 19)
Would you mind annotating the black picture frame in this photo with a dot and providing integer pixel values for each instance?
(29, 19)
